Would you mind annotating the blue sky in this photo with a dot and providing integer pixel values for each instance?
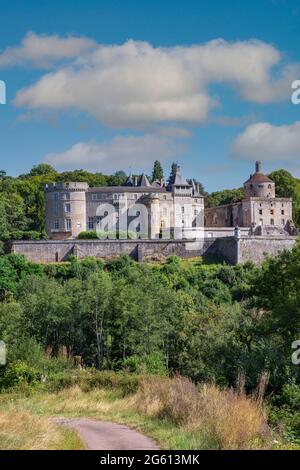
(109, 85)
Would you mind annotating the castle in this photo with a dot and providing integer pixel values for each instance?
(176, 207)
(165, 218)
(72, 208)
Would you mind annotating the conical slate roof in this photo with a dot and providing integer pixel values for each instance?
(143, 181)
(179, 180)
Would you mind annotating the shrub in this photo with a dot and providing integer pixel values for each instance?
(150, 364)
(18, 374)
(102, 235)
(88, 235)
(121, 383)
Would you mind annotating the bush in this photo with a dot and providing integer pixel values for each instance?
(102, 235)
(18, 374)
(121, 383)
(150, 364)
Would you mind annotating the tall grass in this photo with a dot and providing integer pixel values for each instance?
(21, 430)
(227, 419)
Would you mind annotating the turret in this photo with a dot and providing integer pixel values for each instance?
(65, 209)
(259, 185)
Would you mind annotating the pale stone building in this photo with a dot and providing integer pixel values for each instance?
(156, 210)
(260, 209)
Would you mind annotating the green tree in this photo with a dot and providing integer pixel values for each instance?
(157, 173)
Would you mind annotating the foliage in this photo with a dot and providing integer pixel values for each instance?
(157, 173)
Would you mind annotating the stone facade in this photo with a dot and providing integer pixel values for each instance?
(260, 210)
(149, 210)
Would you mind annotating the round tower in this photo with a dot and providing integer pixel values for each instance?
(259, 185)
(65, 209)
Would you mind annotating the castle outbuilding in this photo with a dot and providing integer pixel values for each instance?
(260, 209)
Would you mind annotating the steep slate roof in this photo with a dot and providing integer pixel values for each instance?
(179, 180)
(143, 181)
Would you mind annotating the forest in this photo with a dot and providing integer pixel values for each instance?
(201, 319)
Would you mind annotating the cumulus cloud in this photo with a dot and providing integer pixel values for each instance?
(135, 84)
(121, 152)
(42, 51)
(267, 142)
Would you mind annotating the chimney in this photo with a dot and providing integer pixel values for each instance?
(258, 167)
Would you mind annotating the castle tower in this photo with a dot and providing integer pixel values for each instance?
(259, 185)
(65, 209)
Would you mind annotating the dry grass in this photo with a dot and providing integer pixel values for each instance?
(227, 419)
(176, 412)
(20, 430)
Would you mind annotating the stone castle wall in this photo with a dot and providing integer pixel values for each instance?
(228, 248)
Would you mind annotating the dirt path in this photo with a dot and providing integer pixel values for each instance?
(101, 435)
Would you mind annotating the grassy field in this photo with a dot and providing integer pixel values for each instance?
(172, 411)
(23, 430)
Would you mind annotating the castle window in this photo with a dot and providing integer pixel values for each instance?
(272, 211)
(65, 196)
(272, 221)
(282, 212)
(182, 209)
(56, 224)
(260, 211)
(165, 211)
(269, 186)
(195, 212)
(94, 197)
(283, 222)
(55, 195)
(68, 224)
(68, 208)
(91, 223)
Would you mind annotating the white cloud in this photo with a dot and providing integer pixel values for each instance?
(135, 85)
(42, 51)
(121, 152)
(267, 142)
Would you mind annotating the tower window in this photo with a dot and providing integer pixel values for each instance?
(56, 224)
(260, 211)
(68, 208)
(282, 212)
(68, 224)
(283, 222)
(91, 223)
(272, 221)
(272, 211)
